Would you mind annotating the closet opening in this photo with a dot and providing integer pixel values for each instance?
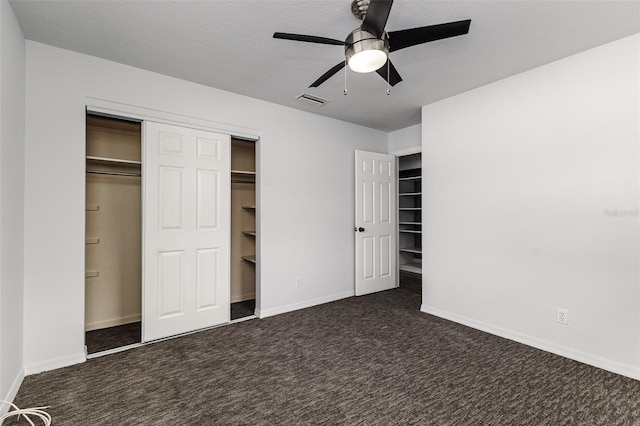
(410, 221)
(113, 234)
(243, 229)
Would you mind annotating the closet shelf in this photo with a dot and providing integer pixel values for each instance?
(409, 223)
(250, 233)
(410, 231)
(410, 208)
(250, 259)
(411, 249)
(410, 194)
(410, 178)
(107, 172)
(414, 267)
(113, 160)
(243, 176)
(249, 207)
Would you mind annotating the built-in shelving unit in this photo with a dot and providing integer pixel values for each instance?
(410, 220)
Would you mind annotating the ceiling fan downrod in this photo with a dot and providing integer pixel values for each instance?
(359, 8)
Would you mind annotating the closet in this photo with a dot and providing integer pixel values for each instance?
(113, 277)
(410, 221)
(199, 231)
(243, 228)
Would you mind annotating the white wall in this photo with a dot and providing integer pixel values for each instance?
(405, 140)
(12, 86)
(306, 191)
(522, 179)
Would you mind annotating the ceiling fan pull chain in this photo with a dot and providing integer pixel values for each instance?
(388, 83)
(345, 76)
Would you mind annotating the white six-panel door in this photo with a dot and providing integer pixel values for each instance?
(375, 222)
(186, 185)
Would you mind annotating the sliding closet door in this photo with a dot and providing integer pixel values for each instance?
(186, 229)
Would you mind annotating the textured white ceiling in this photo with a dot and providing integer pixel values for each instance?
(229, 45)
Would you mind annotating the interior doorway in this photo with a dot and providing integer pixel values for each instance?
(410, 221)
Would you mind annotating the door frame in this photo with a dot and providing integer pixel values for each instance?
(122, 111)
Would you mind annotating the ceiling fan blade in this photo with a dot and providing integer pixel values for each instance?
(394, 76)
(376, 17)
(308, 38)
(327, 75)
(411, 37)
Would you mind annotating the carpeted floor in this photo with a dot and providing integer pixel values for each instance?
(243, 309)
(113, 337)
(372, 360)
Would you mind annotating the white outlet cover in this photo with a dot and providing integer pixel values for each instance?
(562, 316)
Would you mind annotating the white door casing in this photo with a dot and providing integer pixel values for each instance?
(186, 223)
(375, 225)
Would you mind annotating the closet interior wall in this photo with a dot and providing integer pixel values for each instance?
(113, 274)
(243, 220)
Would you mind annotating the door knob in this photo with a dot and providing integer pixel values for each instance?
(360, 229)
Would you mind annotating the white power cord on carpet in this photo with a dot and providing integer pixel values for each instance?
(26, 412)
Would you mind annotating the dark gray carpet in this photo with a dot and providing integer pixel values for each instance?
(372, 360)
(243, 309)
(113, 337)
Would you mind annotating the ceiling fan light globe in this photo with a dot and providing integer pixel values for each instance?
(365, 52)
(367, 61)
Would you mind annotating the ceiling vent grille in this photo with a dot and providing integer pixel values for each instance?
(312, 100)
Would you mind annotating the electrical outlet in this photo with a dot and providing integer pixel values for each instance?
(298, 282)
(562, 316)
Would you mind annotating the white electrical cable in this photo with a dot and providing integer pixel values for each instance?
(26, 412)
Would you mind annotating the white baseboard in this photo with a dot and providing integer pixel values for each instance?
(112, 322)
(52, 364)
(545, 345)
(304, 304)
(242, 297)
(12, 392)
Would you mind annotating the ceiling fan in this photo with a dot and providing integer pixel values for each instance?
(367, 48)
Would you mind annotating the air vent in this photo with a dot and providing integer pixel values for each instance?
(310, 99)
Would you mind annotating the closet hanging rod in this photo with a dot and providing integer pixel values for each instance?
(104, 172)
(113, 160)
(243, 181)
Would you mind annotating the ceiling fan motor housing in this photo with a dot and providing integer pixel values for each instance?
(362, 41)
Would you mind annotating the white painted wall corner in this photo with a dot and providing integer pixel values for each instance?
(52, 364)
(12, 392)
